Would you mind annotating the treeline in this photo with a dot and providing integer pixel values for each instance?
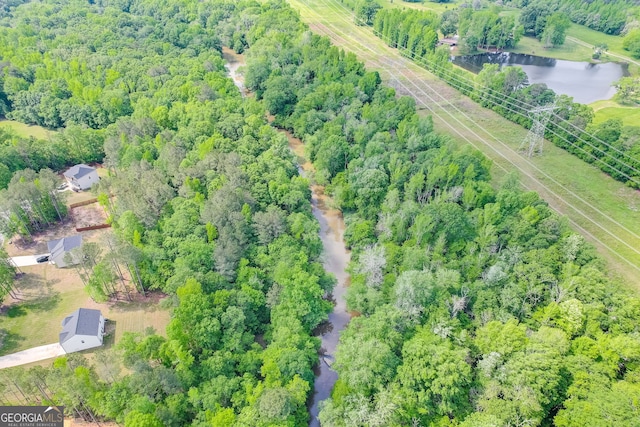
(416, 31)
(485, 29)
(478, 306)
(31, 203)
(609, 17)
(610, 146)
(65, 148)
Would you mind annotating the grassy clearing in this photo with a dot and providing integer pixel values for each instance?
(26, 131)
(609, 109)
(570, 50)
(568, 184)
(583, 33)
(574, 50)
(425, 5)
(595, 38)
(49, 294)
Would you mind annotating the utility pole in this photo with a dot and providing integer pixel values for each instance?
(533, 142)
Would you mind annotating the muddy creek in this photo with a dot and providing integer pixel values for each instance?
(335, 258)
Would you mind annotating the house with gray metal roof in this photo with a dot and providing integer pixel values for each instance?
(81, 177)
(81, 330)
(59, 248)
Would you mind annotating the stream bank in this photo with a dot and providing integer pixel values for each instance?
(335, 259)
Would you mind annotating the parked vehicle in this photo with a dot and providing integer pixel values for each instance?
(43, 258)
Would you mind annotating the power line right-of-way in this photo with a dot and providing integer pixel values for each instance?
(419, 88)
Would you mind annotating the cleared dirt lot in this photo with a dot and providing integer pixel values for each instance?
(88, 215)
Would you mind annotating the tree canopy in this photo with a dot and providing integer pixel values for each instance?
(478, 305)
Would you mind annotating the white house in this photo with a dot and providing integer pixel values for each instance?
(83, 329)
(81, 177)
(60, 247)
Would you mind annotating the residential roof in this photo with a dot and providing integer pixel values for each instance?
(60, 246)
(78, 171)
(83, 321)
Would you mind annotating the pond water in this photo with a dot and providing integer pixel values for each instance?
(584, 81)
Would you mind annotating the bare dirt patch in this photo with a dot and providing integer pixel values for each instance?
(88, 215)
(38, 242)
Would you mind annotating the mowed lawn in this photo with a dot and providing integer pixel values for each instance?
(587, 35)
(570, 50)
(605, 110)
(26, 131)
(49, 294)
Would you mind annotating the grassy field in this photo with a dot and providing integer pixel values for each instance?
(609, 109)
(49, 294)
(574, 50)
(587, 35)
(570, 50)
(602, 209)
(425, 5)
(26, 131)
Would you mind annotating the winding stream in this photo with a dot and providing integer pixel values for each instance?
(335, 259)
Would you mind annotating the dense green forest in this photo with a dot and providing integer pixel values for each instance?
(610, 146)
(209, 208)
(609, 17)
(477, 305)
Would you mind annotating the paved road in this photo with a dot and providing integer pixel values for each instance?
(26, 260)
(31, 355)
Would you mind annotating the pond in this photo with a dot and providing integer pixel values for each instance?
(584, 81)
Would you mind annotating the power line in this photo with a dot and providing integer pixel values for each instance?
(560, 199)
(504, 98)
(534, 141)
(569, 191)
(420, 60)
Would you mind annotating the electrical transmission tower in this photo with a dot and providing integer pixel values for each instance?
(532, 144)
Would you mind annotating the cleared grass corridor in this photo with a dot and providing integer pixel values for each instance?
(606, 212)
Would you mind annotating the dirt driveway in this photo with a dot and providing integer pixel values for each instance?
(31, 355)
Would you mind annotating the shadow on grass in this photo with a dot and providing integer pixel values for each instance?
(29, 282)
(16, 311)
(44, 303)
(148, 304)
(9, 341)
(34, 293)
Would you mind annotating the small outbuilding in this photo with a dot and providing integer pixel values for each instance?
(81, 330)
(81, 177)
(59, 248)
